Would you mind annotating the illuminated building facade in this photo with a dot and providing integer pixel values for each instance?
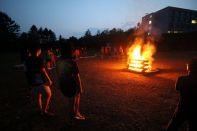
(170, 20)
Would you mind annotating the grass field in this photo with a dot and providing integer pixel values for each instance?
(113, 99)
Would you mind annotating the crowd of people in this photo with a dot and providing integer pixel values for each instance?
(38, 64)
(36, 69)
(116, 51)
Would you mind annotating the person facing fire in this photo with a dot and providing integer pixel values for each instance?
(186, 109)
(69, 81)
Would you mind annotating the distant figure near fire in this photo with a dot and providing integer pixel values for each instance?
(187, 107)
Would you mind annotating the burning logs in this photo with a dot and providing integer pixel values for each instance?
(139, 65)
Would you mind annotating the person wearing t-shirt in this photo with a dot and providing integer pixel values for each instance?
(69, 81)
(38, 80)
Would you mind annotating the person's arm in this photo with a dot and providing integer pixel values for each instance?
(46, 74)
(78, 81)
(43, 70)
(80, 84)
(77, 76)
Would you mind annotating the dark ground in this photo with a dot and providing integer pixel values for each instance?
(113, 99)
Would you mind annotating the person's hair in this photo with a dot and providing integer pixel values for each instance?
(33, 50)
(192, 65)
(66, 50)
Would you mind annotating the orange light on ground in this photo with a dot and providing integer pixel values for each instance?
(140, 56)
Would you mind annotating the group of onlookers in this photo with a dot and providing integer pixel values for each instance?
(107, 51)
(70, 85)
(40, 82)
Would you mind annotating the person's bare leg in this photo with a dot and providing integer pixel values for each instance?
(77, 105)
(77, 102)
(48, 97)
(39, 97)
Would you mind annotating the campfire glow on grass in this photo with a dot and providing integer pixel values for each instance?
(140, 56)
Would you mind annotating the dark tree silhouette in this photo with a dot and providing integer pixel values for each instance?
(41, 36)
(60, 37)
(52, 36)
(88, 33)
(73, 41)
(9, 29)
(33, 34)
(33, 30)
(98, 32)
(48, 36)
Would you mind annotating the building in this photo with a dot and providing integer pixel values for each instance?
(170, 20)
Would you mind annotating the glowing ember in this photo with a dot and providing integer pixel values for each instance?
(140, 56)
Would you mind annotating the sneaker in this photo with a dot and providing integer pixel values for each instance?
(79, 117)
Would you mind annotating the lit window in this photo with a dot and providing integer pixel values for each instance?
(194, 22)
(169, 31)
(175, 31)
(150, 22)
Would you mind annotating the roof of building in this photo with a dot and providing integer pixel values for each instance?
(175, 8)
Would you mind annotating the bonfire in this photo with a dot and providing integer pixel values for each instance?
(140, 56)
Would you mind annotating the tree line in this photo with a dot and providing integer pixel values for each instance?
(11, 38)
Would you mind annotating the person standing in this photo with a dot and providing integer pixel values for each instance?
(121, 51)
(38, 80)
(186, 109)
(69, 81)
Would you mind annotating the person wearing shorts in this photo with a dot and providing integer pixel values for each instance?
(38, 80)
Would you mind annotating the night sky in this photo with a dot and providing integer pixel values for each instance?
(74, 17)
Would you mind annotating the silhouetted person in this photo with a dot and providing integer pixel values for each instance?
(69, 81)
(187, 107)
(77, 54)
(38, 80)
(121, 51)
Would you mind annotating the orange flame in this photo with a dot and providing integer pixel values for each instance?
(140, 56)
